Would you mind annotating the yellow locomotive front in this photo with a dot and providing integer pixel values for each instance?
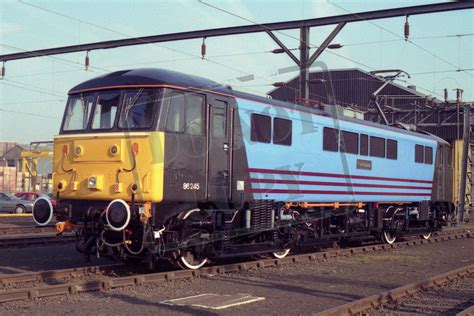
(109, 147)
(109, 166)
(108, 159)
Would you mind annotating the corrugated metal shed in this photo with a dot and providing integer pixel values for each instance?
(353, 88)
(349, 87)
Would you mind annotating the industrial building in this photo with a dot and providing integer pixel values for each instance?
(22, 169)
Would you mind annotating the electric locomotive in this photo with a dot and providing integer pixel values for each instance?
(154, 164)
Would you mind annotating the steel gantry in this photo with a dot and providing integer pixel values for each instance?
(304, 62)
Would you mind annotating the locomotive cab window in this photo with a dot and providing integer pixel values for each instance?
(377, 147)
(219, 119)
(282, 131)
(175, 119)
(330, 139)
(194, 114)
(261, 128)
(349, 142)
(139, 108)
(77, 112)
(105, 111)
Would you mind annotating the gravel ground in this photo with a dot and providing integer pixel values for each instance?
(449, 299)
(15, 260)
(302, 288)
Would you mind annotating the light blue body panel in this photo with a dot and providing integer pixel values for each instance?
(303, 172)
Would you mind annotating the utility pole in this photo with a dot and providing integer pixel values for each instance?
(304, 67)
(465, 154)
(458, 107)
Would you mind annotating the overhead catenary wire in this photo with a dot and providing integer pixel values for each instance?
(55, 58)
(121, 33)
(441, 71)
(413, 38)
(111, 30)
(283, 33)
(196, 57)
(15, 84)
(30, 113)
(33, 102)
(308, 43)
(398, 35)
(239, 70)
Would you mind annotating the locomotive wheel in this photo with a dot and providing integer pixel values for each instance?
(388, 237)
(427, 234)
(395, 216)
(281, 254)
(190, 257)
(188, 260)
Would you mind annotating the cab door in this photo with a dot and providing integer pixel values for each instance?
(220, 150)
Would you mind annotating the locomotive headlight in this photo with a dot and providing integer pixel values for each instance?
(95, 182)
(92, 182)
(78, 151)
(114, 150)
(61, 186)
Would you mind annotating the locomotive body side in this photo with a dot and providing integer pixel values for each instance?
(304, 172)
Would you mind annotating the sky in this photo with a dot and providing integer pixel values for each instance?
(33, 92)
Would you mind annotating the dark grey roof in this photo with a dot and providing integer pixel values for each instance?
(150, 76)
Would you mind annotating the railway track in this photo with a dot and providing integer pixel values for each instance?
(450, 293)
(28, 236)
(33, 285)
(7, 231)
(19, 241)
(16, 218)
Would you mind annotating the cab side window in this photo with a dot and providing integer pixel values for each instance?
(175, 119)
(194, 114)
(185, 113)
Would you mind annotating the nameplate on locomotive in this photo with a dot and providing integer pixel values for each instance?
(364, 164)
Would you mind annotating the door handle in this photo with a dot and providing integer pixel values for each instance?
(226, 147)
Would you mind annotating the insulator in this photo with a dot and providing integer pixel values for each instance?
(335, 46)
(203, 48)
(86, 63)
(407, 29)
(3, 70)
(278, 51)
(445, 95)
